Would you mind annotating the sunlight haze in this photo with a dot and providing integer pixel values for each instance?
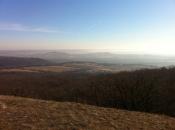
(121, 26)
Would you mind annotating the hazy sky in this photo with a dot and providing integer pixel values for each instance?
(131, 26)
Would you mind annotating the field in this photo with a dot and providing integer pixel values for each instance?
(29, 114)
(77, 67)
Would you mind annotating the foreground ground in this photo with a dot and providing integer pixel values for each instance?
(29, 114)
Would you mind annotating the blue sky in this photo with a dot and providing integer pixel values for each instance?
(138, 26)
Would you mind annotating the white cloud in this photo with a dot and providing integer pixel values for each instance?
(22, 28)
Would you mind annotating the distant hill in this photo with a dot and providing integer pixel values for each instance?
(23, 114)
(61, 56)
(22, 61)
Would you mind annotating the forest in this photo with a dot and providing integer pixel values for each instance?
(147, 90)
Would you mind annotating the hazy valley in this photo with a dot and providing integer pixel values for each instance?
(87, 65)
(129, 86)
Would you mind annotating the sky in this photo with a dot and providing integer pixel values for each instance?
(122, 26)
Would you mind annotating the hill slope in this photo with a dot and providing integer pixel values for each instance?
(23, 114)
(22, 61)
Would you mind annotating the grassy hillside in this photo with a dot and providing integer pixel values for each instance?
(29, 114)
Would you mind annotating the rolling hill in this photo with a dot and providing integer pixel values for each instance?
(6, 61)
(29, 114)
(61, 56)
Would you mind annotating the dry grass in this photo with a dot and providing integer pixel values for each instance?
(18, 70)
(79, 66)
(57, 69)
(29, 114)
(35, 69)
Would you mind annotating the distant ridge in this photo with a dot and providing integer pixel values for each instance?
(61, 56)
(6, 61)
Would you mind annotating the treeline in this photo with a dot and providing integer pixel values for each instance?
(148, 90)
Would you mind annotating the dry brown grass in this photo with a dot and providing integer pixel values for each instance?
(18, 70)
(57, 69)
(79, 66)
(29, 114)
(35, 69)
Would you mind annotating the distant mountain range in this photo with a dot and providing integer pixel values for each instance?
(61, 56)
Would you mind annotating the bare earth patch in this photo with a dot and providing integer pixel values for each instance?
(29, 114)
